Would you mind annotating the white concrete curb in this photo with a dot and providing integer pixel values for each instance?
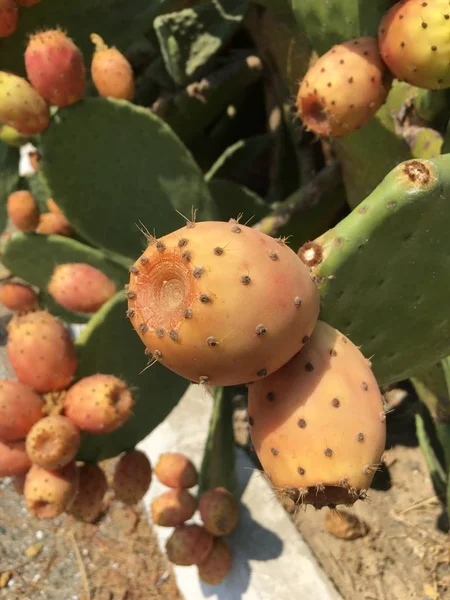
(270, 558)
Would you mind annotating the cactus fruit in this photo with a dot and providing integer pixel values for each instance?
(221, 303)
(217, 565)
(49, 493)
(20, 409)
(9, 17)
(80, 287)
(53, 223)
(189, 545)
(53, 207)
(218, 511)
(344, 89)
(111, 72)
(414, 42)
(318, 424)
(132, 477)
(55, 67)
(53, 442)
(175, 470)
(13, 458)
(23, 210)
(18, 297)
(41, 351)
(99, 403)
(21, 106)
(173, 508)
(88, 503)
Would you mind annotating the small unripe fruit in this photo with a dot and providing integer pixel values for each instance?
(9, 17)
(53, 223)
(189, 545)
(217, 565)
(99, 403)
(41, 351)
(20, 409)
(176, 470)
(53, 442)
(111, 72)
(18, 297)
(173, 508)
(49, 493)
(88, 503)
(55, 67)
(23, 210)
(218, 511)
(132, 477)
(13, 458)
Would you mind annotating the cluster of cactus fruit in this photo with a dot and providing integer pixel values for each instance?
(190, 543)
(313, 334)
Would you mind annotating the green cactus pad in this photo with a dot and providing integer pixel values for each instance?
(38, 187)
(109, 345)
(382, 270)
(112, 166)
(33, 257)
(336, 21)
(9, 178)
(190, 38)
(120, 21)
(233, 199)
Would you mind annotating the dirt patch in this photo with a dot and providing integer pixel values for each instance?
(115, 559)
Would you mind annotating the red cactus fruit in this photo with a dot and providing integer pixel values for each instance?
(41, 351)
(344, 89)
(80, 287)
(23, 210)
(9, 17)
(49, 493)
(53, 223)
(176, 470)
(18, 297)
(21, 107)
(132, 477)
(217, 565)
(13, 458)
(99, 403)
(88, 503)
(111, 72)
(414, 42)
(189, 545)
(318, 425)
(55, 67)
(173, 508)
(20, 409)
(53, 442)
(218, 511)
(221, 303)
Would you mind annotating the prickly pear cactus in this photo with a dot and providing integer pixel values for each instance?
(377, 261)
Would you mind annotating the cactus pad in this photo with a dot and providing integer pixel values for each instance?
(9, 178)
(122, 166)
(381, 276)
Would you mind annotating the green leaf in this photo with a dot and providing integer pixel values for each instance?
(110, 345)
(111, 165)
